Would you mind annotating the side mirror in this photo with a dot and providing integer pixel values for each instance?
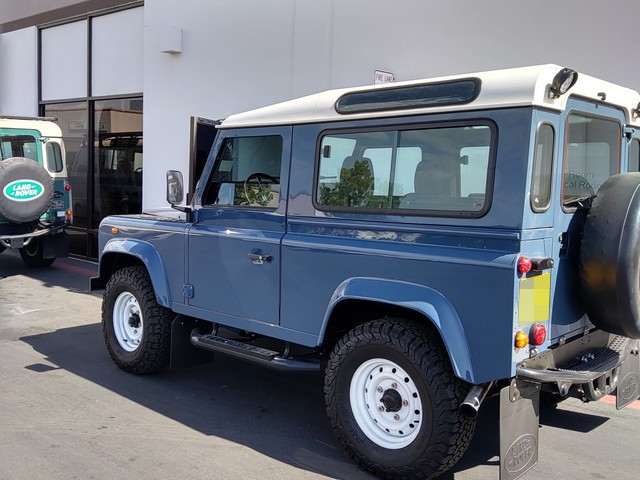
(175, 187)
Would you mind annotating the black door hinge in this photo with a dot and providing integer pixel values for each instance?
(628, 132)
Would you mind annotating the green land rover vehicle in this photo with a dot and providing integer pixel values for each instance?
(35, 197)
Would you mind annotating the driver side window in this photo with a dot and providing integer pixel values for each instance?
(247, 173)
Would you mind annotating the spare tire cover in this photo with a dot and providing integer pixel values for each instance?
(26, 190)
(610, 257)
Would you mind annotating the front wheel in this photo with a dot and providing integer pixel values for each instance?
(393, 401)
(136, 329)
(33, 254)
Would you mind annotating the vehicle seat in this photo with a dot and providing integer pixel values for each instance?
(431, 184)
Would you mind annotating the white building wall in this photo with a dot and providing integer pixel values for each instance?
(64, 61)
(241, 54)
(117, 53)
(417, 39)
(18, 72)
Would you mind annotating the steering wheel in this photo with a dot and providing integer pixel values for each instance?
(258, 176)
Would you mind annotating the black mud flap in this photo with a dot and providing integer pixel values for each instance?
(519, 413)
(55, 246)
(628, 389)
(183, 353)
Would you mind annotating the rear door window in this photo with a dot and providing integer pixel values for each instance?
(18, 146)
(592, 155)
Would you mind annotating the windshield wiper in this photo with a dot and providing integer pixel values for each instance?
(581, 202)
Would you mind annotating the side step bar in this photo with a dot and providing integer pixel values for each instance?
(251, 353)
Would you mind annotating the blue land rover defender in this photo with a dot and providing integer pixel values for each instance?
(422, 244)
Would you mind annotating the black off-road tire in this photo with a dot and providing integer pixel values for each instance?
(33, 254)
(152, 352)
(443, 434)
(610, 257)
(20, 168)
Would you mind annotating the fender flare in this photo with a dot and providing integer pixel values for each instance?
(148, 255)
(419, 298)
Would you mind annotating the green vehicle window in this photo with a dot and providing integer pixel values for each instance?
(54, 157)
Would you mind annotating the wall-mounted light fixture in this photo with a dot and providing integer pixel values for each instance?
(171, 40)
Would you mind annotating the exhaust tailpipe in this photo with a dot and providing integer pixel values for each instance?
(469, 408)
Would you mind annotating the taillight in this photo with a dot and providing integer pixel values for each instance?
(538, 334)
(68, 212)
(67, 187)
(524, 265)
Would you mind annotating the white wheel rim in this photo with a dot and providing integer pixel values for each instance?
(385, 403)
(127, 321)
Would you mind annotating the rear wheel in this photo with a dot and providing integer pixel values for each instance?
(136, 329)
(393, 401)
(33, 254)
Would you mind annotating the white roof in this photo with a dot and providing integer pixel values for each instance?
(46, 127)
(526, 86)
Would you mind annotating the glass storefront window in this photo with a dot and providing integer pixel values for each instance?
(117, 161)
(72, 119)
(100, 114)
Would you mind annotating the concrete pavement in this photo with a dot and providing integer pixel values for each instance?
(67, 412)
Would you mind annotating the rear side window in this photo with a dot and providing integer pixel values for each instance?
(542, 168)
(54, 157)
(634, 156)
(440, 171)
(18, 146)
(592, 155)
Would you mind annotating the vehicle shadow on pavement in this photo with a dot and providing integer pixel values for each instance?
(70, 274)
(281, 415)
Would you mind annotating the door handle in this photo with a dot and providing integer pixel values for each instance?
(259, 259)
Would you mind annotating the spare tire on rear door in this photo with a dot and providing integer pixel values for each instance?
(26, 190)
(610, 257)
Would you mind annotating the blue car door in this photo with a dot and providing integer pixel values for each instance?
(238, 225)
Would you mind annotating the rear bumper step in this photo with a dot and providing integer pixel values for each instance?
(590, 368)
(252, 353)
(598, 373)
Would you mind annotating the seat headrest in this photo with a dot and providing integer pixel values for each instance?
(432, 177)
(350, 162)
